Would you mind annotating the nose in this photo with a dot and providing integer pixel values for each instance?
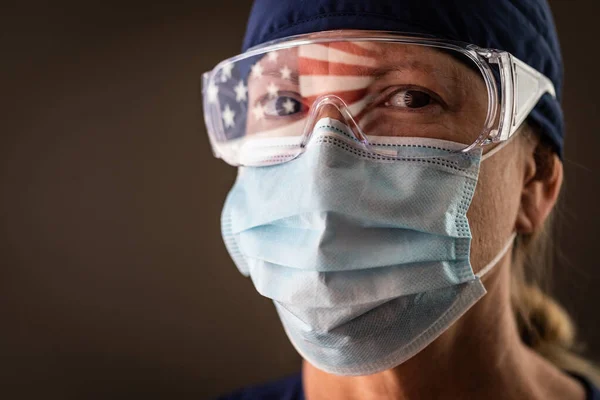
(335, 108)
(329, 110)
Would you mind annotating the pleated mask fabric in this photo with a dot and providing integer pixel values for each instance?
(366, 257)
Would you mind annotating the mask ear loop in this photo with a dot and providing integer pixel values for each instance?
(496, 259)
(512, 237)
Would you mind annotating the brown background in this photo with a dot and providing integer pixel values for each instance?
(114, 280)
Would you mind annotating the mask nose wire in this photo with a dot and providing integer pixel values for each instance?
(331, 106)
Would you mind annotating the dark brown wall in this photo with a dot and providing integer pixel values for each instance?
(114, 281)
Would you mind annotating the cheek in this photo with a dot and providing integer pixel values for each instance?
(494, 208)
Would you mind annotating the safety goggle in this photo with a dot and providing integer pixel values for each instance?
(261, 106)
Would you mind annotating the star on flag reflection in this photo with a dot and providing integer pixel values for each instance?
(317, 69)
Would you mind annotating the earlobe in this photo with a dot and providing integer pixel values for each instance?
(541, 187)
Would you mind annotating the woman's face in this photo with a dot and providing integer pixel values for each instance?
(394, 90)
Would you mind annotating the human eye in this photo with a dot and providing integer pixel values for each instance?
(411, 98)
(285, 104)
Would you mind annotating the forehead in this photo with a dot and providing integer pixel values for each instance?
(365, 58)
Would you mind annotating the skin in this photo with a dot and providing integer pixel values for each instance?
(481, 355)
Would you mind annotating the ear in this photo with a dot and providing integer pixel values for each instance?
(543, 177)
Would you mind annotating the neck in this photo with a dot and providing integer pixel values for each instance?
(480, 356)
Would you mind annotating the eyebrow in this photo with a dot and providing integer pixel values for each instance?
(381, 72)
(277, 74)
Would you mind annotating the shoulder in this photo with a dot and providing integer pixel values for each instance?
(289, 388)
(592, 391)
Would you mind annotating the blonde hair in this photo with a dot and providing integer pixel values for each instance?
(544, 325)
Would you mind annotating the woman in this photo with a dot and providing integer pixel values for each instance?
(396, 175)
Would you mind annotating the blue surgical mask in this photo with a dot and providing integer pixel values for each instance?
(365, 257)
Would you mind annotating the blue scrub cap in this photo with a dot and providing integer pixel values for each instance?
(525, 28)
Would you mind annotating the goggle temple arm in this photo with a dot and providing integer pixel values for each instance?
(529, 85)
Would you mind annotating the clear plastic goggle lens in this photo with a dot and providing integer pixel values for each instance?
(263, 107)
